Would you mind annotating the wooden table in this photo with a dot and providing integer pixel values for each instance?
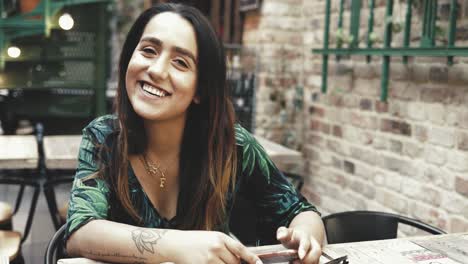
(61, 152)
(441, 249)
(283, 157)
(18, 152)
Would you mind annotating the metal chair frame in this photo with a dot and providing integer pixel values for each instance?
(54, 247)
(355, 226)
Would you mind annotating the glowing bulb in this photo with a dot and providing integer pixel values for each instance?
(66, 21)
(13, 52)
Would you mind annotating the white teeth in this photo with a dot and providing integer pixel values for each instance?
(152, 90)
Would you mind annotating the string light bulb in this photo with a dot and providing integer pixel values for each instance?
(14, 52)
(66, 21)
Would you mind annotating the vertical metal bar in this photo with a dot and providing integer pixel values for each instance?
(370, 26)
(386, 59)
(325, 47)
(339, 42)
(355, 20)
(425, 23)
(429, 23)
(100, 73)
(452, 28)
(407, 33)
(227, 22)
(433, 22)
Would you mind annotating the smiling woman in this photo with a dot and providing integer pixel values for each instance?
(156, 181)
(162, 72)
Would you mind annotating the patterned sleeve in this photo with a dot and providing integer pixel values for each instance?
(89, 196)
(276, 201)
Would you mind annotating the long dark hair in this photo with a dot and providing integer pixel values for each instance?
(208, 153)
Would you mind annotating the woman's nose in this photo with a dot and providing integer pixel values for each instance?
(158, 69)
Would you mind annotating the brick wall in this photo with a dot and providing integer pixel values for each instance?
(408, 155)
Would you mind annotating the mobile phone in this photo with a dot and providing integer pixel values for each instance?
(275, 254)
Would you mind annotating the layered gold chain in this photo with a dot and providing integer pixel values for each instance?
(154, 170)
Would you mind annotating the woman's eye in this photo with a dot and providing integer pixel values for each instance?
(181, 63)
(149, 50)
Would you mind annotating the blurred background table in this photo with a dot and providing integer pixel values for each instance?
(19, 159)
(60, 162)
(18, 152)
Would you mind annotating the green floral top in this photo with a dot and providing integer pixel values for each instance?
(275, 200)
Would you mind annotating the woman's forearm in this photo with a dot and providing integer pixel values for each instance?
(311, 223)
(120, 243)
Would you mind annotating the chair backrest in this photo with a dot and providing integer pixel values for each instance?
(55, 247)
(355, 226)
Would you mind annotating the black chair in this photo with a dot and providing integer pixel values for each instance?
(55, 249)
(57, 212)
(355, 226)
(11, 241)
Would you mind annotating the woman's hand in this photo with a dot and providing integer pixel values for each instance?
(309, 249)
(209, 247)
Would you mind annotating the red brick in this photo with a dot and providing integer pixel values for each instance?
(438, 74)
(435, 95)
(337, 131)
(365, 104)
(381, 107)
(335, 100)
(318, 111)
(315, 124)
(461, 186)
(463, 141)
(396, 127)
(325, 128)
(348, 166)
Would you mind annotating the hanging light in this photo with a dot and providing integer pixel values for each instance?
(14, 52)
(66, 21)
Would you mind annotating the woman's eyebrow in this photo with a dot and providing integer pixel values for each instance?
(159, 43)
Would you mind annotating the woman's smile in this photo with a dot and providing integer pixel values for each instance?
(154, 91)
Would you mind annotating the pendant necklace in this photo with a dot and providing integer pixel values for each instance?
(154, 170)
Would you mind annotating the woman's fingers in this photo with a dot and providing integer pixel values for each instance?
(304, 247)
(287, 237)
(308, 248)
(313, 256)
(228, 257)
(239, 250)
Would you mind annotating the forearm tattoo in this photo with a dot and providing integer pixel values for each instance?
(138, 259)
(146, 239)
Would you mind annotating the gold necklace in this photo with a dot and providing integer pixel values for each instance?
(154, 169)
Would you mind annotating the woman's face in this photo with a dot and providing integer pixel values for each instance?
(162, 73)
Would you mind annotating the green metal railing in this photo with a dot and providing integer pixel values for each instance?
(49, 50)
(36, 22)
(427, 46)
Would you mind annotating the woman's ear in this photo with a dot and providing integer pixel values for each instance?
(196, 99)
